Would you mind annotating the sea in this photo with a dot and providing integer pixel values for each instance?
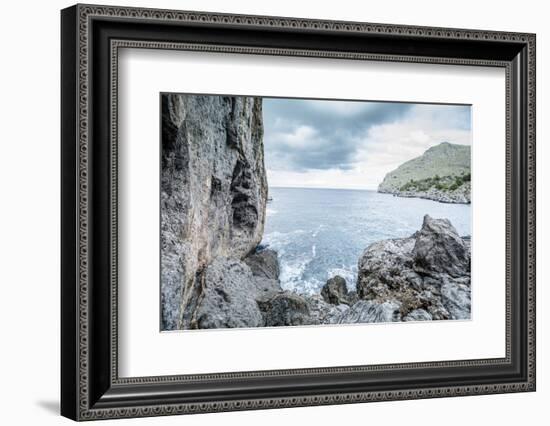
(319, 233)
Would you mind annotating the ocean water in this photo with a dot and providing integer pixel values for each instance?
(319, 233)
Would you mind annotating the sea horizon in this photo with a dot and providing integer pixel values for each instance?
(315, 187)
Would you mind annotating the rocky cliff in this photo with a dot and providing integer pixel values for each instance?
(213, 198)
(442, 174)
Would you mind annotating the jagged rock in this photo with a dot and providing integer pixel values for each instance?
(439, 249)
(455, 295)
(265, 288)
(231, 293)
(385, 266)
(460, 195)
(264, 263)
(369, 311)
(335, 291)
(227, 298)
(213, 192)
(429, 271)
(418, 315)
(265, 271)
(352, 298)
(322, 312)
(286, 309)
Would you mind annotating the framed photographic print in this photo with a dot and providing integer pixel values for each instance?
(263, 212)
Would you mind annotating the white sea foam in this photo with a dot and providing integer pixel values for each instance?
(348, 273)
(292, 272)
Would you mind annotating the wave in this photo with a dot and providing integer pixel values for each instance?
(292, 275)
(297, 271)
(348, 273)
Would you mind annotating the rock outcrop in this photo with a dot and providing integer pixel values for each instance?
(322, 312)
(286, 308)
(213, 197)
(365, 311)
(234, 294)
(427, 275)
(441, 174)
(335, 292)
(264, 264)
(459, 194)
(227, 298)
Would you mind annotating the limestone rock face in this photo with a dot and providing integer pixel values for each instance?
(369, 311)
(418, 315)
(213, 193)
(427, 275)
(227, 297)
(286, 308)
(264, 263)
(322, 312)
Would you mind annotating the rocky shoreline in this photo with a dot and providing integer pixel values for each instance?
(460, 195)
(214, 274)
(419, 278)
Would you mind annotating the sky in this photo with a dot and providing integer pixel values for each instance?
(352, 144)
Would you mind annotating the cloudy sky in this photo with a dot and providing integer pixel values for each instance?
(336, 144)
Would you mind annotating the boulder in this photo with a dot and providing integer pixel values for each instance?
(322, 312)
(335, 291)
(213, 192)
(365, 311)
(427, 274)
(284, 309)
(264, 263)
(227, 298)
(265, 288)
(456, 298)
(418, 315)
(439, 249)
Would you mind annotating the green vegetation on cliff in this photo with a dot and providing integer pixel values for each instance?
(442, 174)
(445, 160)
(445, 183)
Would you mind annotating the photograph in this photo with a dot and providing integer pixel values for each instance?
(313, 212)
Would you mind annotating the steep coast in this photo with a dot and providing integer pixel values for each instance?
(441, 174)
(213, 194)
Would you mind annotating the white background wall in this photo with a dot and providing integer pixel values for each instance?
(29, 213)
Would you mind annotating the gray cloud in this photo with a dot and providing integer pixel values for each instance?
(319, 135)
(303, 135)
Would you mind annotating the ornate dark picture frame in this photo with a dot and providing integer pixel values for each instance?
(90, 38)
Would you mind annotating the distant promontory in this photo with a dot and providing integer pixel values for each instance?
(441, 174)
